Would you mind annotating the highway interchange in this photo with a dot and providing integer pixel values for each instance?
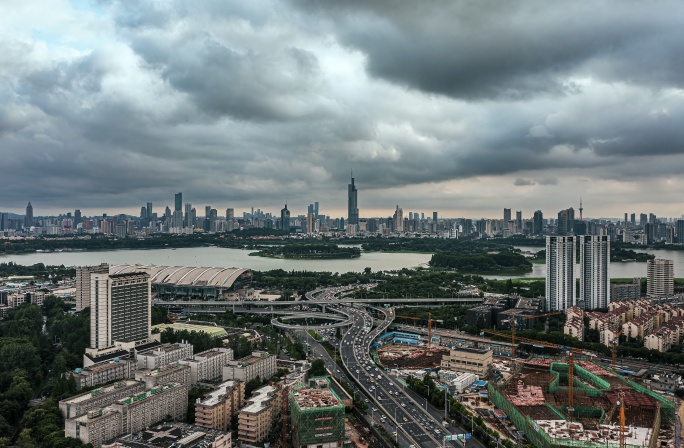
(399, 411)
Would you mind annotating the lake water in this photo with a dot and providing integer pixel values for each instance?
(221, 257)
(617, 269)
(224, 257)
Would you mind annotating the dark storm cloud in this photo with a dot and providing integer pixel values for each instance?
(515, 50)
(259, 102)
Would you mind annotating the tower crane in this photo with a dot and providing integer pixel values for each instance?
(621, 404)
(514, 324)
(430, 320)
(570, 351)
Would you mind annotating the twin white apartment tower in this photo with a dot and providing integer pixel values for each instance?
(594, 272)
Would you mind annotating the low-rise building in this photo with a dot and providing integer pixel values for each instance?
(574, 327)
(216, 408)
(105, 372)
(626, 291)
(469, 360)
(171, 373)
(262, 412)
(258, 365)
(165, 354)
(99, 398)
(174, 435)
(208, 365)
(463, 381)
(130, 414)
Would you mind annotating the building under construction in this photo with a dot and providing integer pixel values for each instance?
(317, 415)
(602, 410)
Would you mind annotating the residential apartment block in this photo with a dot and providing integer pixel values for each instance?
(130, 414)
(659, 277)
(165, 354)
(216, 408)
(574, 323)
(170, 373)
(208, 365)
(258, 364)
(262, 412)
(99, 398)
(105, 372)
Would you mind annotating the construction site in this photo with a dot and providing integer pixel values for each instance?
(410, 357)
(573, 402)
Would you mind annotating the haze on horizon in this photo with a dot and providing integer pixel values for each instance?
(458, 107)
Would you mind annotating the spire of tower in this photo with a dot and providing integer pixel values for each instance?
(580, 209)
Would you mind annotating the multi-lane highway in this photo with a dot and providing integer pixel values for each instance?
(407, 416)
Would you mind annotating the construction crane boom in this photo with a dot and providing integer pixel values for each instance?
(430, 320)
(514, 324)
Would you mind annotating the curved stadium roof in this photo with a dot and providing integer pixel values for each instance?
(185, 275)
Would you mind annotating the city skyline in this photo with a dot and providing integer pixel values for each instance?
(110, 105)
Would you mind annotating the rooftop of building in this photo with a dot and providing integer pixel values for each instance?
(101, 391)
(186, 275)
(216, 396)
(172, 435)
(475, 351)
(163, 348)
(148, 393)
(315, 398)
(259, 399)
(164, 370)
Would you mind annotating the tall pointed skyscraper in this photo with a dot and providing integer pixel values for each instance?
(352, 204)
(28, 218)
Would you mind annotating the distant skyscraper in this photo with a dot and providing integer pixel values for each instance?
(632, 218)
(398, 220)
(149, 211)
(77, 217)
(518, 221)
(120, 308)
(179, 202)
(230, 214)
(309, 223)
(352, 204)
(680, 231)
(566, 221)
(316, 209)
(187, 216)
(560, 274)
(660, 277)
(625, 219)
(643, 219)
(538, 222)
(434, 216)
(4, 221)
(28, 218)
(594, 271)
(506, 217)
(285, 219)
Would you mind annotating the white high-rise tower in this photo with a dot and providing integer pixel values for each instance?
(594, 271)
(560, 275)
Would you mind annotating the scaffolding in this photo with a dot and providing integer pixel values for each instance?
(317, 413)
(536, 402)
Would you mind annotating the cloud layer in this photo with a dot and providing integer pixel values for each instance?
(463, 107)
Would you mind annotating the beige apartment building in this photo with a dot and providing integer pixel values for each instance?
(208, 365)
(171, 373)
(105, 372)
(130, 414)
(258, 364)
(216, 409)
(258, 418)
(470, 360)
(99, 398)
(165, 354)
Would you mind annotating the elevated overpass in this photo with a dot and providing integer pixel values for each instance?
(240, 305)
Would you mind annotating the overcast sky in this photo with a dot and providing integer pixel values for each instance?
(460, 107)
